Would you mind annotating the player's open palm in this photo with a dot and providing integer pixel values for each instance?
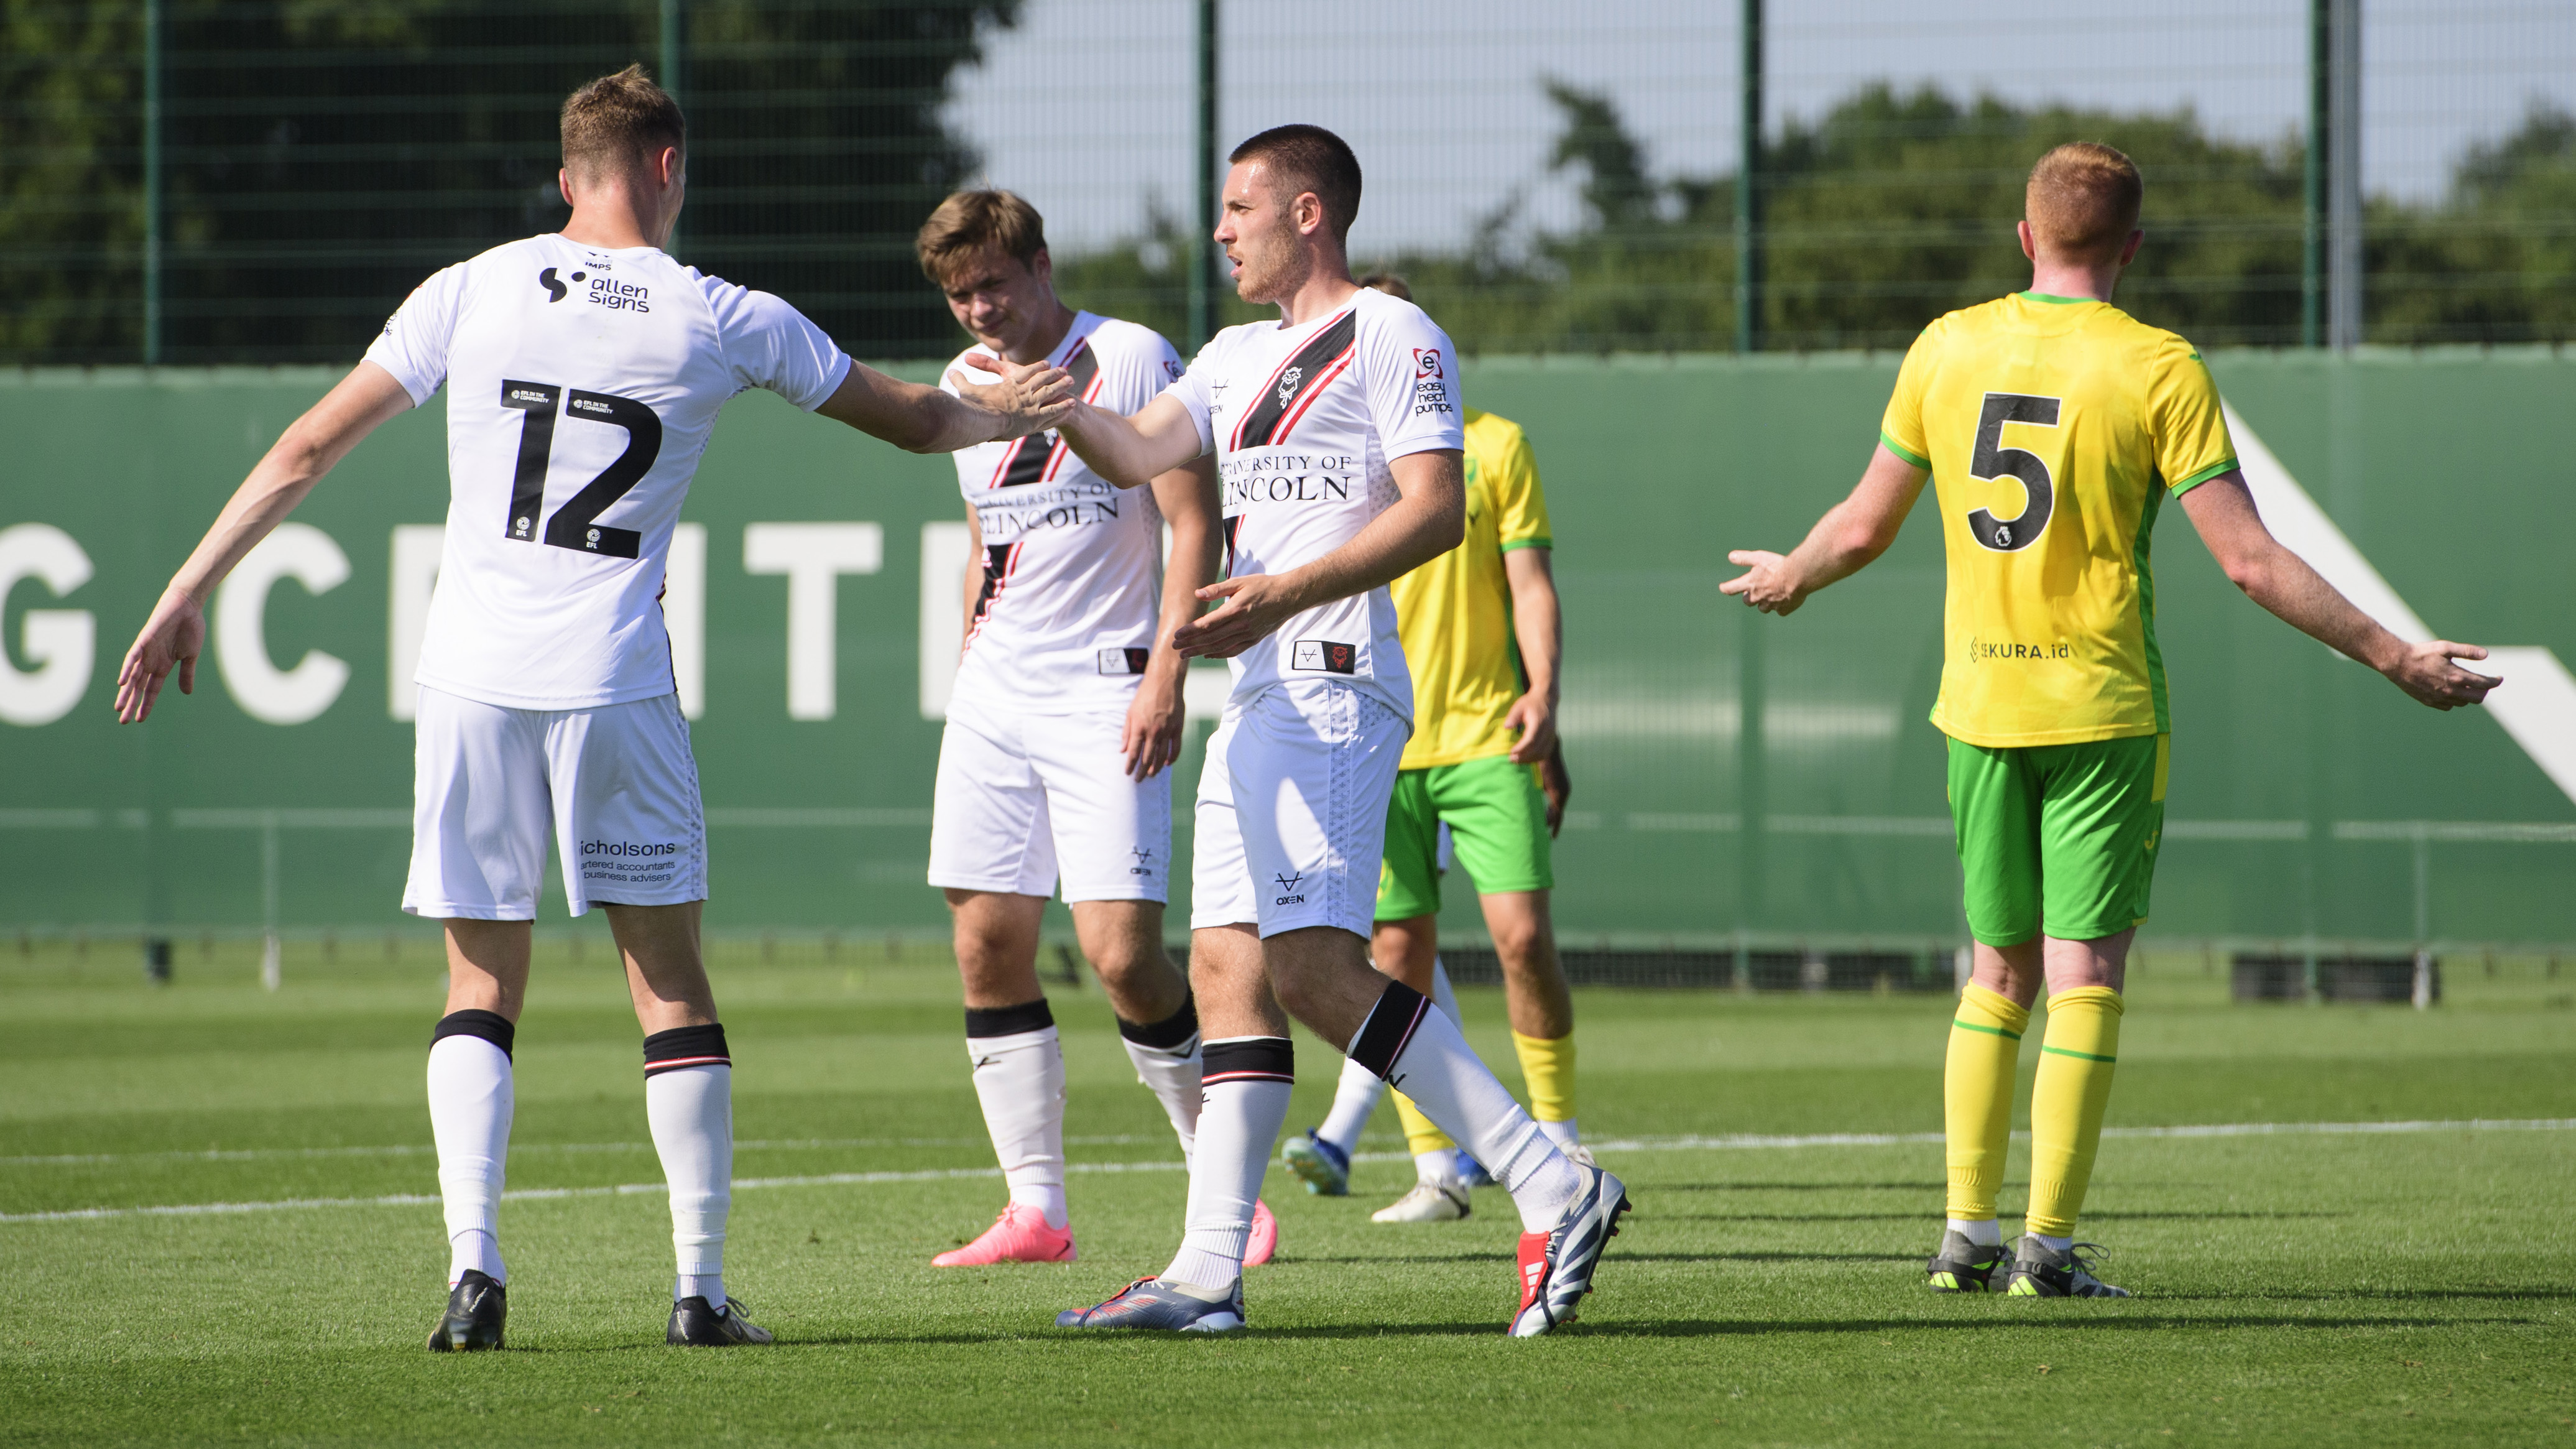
(171, 639)
(2428, 671)
(1031, 396)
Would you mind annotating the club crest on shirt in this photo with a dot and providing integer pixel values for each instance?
(1324, 656)
(1288, 384)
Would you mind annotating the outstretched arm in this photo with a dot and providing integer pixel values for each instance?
(1131, 452)
(1424, 523)
(2281, 581)
(920, 419)
(1843, 542)
(310, 447)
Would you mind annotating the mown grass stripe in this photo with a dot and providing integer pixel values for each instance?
(1685, 1143)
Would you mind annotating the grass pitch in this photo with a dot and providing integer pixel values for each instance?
(2294, 1288)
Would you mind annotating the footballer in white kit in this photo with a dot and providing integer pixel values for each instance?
(584, 371)
(1066, 710)
(1339, 447)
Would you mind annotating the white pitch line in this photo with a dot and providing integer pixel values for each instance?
(423, 1149)
(1686, 1143)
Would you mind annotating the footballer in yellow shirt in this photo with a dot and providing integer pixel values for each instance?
(1481, 634)
(2053, 426)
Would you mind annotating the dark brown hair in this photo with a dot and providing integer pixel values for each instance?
(1310, 158)
(619, 121)
(1393, 284)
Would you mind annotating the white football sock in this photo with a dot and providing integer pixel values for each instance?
(470, 1102)
(691, 1112)
(2055, 1245)
(1442, 994)
(1172, 1073)
(1248, 1080)
(1985, 1234)
(1444, 1077)
(1020, 1080)
(1564, 1134)
(1353, 1100)
(1438, 1165)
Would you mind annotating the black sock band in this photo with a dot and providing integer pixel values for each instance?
(492, 1026)
(686, 1046)
(1390, 1027)
(1018, 1020)
(1171, 1032)
(1249, 1059)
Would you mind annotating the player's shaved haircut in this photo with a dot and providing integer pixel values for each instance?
(1310, 158)
(618, 122)
(1391, 283)
(970, 221)
(2083, 201)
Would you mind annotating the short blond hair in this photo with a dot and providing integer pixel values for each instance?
(618, 122)
(968, 222)
(2083, 201)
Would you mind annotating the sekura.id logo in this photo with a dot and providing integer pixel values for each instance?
(1288, 894)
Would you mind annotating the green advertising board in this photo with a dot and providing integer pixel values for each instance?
(1736, 777)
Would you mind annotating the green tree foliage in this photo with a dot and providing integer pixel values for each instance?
(1892, 208)
(325, 155)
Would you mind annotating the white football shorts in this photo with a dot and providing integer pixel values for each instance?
(616, 786)
(1291, 820)
(1024, 798)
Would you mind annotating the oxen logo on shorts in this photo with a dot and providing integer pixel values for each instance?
(1324, 656)
(1288, 890)
(1144, 861)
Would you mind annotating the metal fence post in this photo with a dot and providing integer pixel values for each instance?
(152, 182)
(1202, 250)
(272, 966)
(1748, 185)
(2343, 178)
(675, 36)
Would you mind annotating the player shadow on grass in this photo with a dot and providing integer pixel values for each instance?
(2109, 1320)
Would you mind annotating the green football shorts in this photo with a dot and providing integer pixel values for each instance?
(1497, 819)
(2060, 838)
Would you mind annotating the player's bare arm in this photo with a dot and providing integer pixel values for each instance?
(1846, 540)
(1538, 627)
(1186, 497)
(1132, 452)
(1427, 520)
(1027, 398)
(310, 447)
(2222, 509)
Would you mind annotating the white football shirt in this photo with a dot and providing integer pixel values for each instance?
(1304, 421)
(1073, 564)
(581, 386)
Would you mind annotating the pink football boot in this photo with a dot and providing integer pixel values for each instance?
(1264, 1240)
(1019, 1235)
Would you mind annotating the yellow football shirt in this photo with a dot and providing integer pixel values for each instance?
(1454, 613)
(2053, 428)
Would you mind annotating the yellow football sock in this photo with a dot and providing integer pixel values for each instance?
(1547, 1068)
(1977, 1097)
(1419, 1135)
(2067, 1102)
